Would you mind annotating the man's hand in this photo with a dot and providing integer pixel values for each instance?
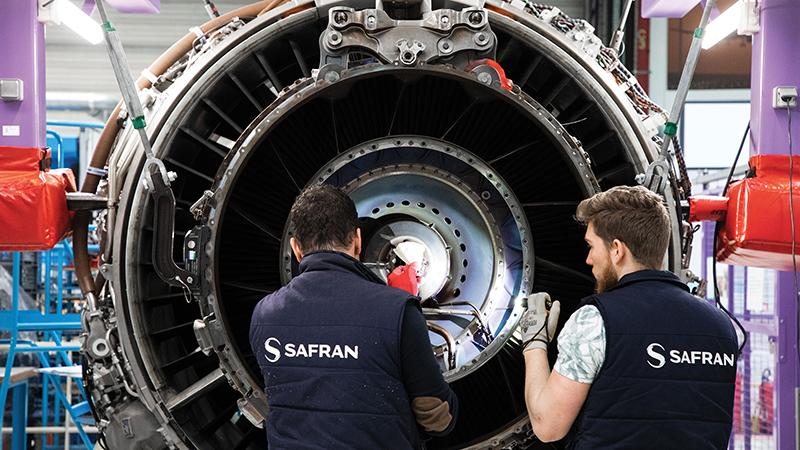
(405, 278)
(538, 324)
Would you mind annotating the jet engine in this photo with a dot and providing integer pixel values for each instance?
(466, 134)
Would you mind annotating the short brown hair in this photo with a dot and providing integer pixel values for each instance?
(635, 216)
(323, 217)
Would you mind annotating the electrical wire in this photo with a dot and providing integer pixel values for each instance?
(791, 219)
(717, 227)
(477, 316)
(735, 161)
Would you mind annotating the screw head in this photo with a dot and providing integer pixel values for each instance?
(340, 17)
(334, 39)
(481, 39)
(475, 17)
(408, 58)
(332, 77)
(371, 20)
(445, 20)
(485, 78)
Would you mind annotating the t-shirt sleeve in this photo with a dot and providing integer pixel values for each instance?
(434, 404)
(582, 345)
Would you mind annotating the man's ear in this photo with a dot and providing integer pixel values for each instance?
(296, 249)
(357, 244)
(617, 251)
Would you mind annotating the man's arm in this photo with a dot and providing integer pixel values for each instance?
(434, 404)
(553, 400)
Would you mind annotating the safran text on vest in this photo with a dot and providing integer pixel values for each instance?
(290, 350)
(656, 357)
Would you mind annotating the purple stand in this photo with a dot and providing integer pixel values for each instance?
(787, 378)
(776, 62)
(22, 47)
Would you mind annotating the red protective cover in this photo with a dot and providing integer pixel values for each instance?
(405, 278)
(757, 231)
(33, 200)
(707, 207)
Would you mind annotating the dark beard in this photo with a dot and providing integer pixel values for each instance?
(607, 280)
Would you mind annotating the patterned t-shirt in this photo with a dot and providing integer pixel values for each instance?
(582, 345)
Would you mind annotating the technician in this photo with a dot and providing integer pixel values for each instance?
(346, 359)
(642, 363)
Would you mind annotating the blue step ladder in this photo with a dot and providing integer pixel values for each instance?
(51, 325)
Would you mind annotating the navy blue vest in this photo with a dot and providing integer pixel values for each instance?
(328, 344)
(667, 381)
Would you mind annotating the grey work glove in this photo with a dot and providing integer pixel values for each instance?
(538, 324)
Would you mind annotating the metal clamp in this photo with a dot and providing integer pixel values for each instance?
(657, 176)
(202, 206)
(442, 35)
(164, 228)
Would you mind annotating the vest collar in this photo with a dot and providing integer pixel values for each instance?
(650, 275)
(333, 260)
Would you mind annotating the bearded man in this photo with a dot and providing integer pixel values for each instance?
(642, 363)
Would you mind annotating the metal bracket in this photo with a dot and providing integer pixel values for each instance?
(107, 270)
(657, 176)
(203, 205)
(210, 334)
(164, 228)
(85, 201)
(194, 254)
(251, 411)
(202, 333)
(446, 35)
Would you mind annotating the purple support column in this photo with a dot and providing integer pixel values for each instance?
(745, 388)
(776, 62)
(22, 47)
(787, 378)
(706, 252)
(747, 403)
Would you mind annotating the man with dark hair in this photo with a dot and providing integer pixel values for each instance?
(642, 363)
(346, 360)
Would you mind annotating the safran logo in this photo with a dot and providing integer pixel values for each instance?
(656, 360)
(273, 347)
(273, 353)
(656, 357)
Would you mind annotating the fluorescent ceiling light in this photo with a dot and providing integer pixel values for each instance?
(64, 12)
(722, 26)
